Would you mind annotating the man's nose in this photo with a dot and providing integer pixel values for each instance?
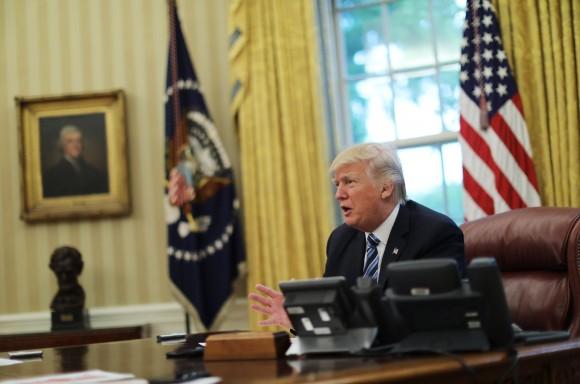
(339, 194)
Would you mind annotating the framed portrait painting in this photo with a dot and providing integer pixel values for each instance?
(73, 156)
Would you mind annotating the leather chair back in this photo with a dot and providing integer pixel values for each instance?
(538, 253)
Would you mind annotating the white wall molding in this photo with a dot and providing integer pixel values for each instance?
(159, 317)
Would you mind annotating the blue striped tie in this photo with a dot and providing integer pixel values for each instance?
(372, 264)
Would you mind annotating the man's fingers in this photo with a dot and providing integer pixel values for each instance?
(268, 291)
(259, 308)
(269, 304)
(273, 321)
(260, 299)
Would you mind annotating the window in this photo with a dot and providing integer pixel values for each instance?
(392, 74)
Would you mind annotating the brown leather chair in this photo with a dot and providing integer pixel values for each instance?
(538, 253)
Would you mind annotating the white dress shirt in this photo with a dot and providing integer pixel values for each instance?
(382, 233)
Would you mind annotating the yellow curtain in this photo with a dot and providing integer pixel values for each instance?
(542, 41)
(277, 104)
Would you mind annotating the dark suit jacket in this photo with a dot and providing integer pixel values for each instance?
(418, 233)
(62, 179)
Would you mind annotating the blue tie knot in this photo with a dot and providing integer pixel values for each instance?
(373, 240)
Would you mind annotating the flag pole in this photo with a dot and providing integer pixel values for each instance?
(483, 110)
(187, 323)
(180, 133)
(178, 137)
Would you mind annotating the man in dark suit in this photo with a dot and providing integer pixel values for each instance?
(380, 225)
(72, 175)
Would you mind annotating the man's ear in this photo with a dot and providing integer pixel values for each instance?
(387, 190)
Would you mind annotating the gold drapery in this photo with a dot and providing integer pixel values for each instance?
(277, 103)
(542, 41)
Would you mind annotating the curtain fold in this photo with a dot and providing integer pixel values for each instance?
(278, 107)
(542, 41)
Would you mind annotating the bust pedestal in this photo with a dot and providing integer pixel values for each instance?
(69, 319)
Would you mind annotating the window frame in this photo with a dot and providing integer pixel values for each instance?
(336, 80)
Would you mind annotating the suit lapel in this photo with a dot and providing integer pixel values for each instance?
(357, 248)
(396, 243)
(350, 252)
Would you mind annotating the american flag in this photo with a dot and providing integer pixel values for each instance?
(498, 172)
(204, 242)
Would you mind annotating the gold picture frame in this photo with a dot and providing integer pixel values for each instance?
(73, 156)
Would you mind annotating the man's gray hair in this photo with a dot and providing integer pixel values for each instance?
(68, 129)
(384, 164)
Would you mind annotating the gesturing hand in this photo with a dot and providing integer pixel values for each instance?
(270, 303)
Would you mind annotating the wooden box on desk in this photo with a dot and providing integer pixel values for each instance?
(246, 346)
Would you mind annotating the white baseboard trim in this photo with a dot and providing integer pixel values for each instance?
(160, 317)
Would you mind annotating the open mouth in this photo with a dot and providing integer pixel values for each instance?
(346, 210)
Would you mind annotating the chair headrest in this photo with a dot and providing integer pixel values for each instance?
(525, 239)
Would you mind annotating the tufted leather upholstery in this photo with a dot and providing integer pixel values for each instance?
(538, 252)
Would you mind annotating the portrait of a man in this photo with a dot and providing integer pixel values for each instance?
(74, 155)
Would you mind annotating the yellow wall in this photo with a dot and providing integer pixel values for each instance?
(52, 47)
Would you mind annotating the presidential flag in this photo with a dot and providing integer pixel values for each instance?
(498, 172)
(204, 243)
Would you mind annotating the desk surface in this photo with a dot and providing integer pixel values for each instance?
(146, 359)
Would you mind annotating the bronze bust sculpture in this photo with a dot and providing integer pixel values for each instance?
(68, 305)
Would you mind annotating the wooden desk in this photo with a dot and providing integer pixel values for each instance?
(67, 338)
(547, 363)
